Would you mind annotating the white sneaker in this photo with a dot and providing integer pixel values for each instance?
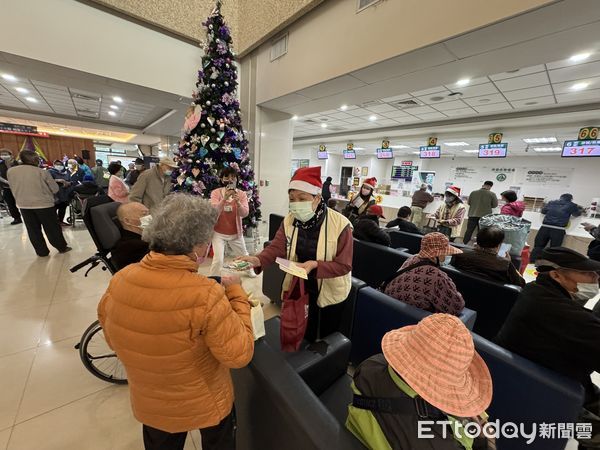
(251, 273)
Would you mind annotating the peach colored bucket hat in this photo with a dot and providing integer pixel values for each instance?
(436, 245)
(438, 360)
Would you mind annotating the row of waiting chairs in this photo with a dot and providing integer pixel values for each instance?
(303, 396)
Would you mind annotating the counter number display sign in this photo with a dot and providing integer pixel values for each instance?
(428, 152)
(588, 134)
(322, 153)
(349, 154)
(385, 153)
(493, 150)
(581, 149)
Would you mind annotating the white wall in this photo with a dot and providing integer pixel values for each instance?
(71, 34)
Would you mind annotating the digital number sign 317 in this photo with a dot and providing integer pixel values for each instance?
(581, 149)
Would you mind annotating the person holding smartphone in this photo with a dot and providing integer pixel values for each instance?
(232, 204)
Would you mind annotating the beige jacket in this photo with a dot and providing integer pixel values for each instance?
(32, 187)
(150, 188)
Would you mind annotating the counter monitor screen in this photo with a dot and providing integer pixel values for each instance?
(349, 154)
(581, 149)
(430, 152)
(385, 153)
(322, 155)
(493, 150)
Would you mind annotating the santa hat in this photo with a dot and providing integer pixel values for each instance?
(307, 179)
(370, 182)
(454, 190)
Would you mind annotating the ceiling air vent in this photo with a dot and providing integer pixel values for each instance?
(85, 97)
(404, 104)
(364, 4)
(370, 103)
(279, 47)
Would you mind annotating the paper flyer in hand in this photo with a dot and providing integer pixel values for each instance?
(291, 268)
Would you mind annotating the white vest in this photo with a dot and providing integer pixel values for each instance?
(331, 290)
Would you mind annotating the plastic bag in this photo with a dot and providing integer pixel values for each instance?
(515, 230)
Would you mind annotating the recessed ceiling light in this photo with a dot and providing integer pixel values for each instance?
(547, 149)
(323, 125)
(372, 118)
(22, 90)
(31, 99)
(456, 144)
(579, 86)
(463, 82)
(344, 107)
(112, 113)
(471, 151)
(114, 107)
(399, 146)
(9, 77)
(118, 99)
(541, 140)
(579, 57)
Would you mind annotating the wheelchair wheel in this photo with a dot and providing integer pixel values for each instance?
(98, 358)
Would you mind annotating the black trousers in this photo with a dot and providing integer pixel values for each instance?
(546, 235)
(472, 224)
(321, 321)
(219, 437)
(12, 204)
(35, 220)
(61, 210)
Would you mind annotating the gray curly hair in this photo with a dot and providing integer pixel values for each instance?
(179, 223)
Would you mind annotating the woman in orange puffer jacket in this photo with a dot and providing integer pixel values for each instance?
(178, 333)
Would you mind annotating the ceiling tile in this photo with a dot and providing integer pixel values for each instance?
(575, 72)
(485, 100)
(440, 97)
(566, 88)
(341, 115)
(381, 108)
(586, 96)
(431, 116)
(434, 90)
(410, 119)
(476, 91)
(396, 98)
(472, 82)
(386, 122)
(460, 112)
(518, 73)
(522, 94)
(444, 106)
(421, 110)
(492, 108)
(595, 56)
(354, 120)
(359, 112)
(395, 114)
(534, 102)
(527, 81)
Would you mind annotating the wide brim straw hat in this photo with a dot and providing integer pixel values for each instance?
(434, 245)
(437, 358)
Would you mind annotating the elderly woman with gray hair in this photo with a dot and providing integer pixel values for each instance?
(178, 333)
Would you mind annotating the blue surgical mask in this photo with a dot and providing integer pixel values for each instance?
(302, 211)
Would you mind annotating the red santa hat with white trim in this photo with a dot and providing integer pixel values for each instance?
(371, 183)
(307, 179)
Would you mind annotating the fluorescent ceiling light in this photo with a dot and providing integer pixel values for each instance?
(541, 140)
(579, 86)
(344, 107)
(118, 99)
(463, 82)
(471, 151)
(456, 144)
(323, 125)
(112, 113)
(358, 148)
(22, 90)
(9, 77)
(399, 146)
(114, 107)
(579, 57)
(372, 118)
(547, 149)
(31, 99)
(416, 153)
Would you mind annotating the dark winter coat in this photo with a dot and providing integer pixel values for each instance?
(366, 228)
(559, 212)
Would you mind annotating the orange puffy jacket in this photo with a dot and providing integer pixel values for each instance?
(177, 333)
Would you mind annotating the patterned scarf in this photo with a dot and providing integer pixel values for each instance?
(316, 219)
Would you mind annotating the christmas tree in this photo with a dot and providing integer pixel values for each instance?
(213, 137)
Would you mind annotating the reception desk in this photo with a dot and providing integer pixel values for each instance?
(577, 238)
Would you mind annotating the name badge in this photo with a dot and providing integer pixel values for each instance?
(228, 208)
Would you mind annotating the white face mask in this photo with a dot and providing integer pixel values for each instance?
(59, 168)
(5, 157)
(446, 261)
(145, 221)
(168, 173)
(586, 291)
(302, 211)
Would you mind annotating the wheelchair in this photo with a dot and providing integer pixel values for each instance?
(100, 220)
(77, 206)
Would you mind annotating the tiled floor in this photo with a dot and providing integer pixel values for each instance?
(48, 400)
